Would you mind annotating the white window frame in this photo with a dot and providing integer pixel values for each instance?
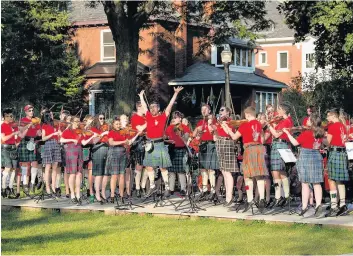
(102, 47)
(306, 54)
(279, 61)
(274, 94)
(260, 59)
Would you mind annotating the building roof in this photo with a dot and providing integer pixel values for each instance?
(80, 12)
(204, 73)
(107, 69)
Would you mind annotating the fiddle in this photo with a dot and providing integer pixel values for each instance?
(128, 131)
(276, 120)
(237, 123)
(178, 128)
(299, 128)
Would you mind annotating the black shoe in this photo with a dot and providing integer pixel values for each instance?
(239, 201)
(302, 212)
(269, 203)
(3, 193)
(342, 210)
(262, 205)
(151, 191)
(67, 196)
(248, 205)
(39, 185)
(284, 202)
(277, 202)
(121, 201)
(318, 211)
(211, 196)
(58, 194)
(138, 193)
(79, 202)
(8, 191)
(333, 212)
(256, 202)
(167, 193)
(88, 192)
(74, 200)
(227, 204)
(112, 199)
(17, 196)
(182, 193)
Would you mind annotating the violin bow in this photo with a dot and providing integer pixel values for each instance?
(51, 107)
(219, 97)
(144, 94)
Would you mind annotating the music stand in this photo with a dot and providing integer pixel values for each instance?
(40, 196)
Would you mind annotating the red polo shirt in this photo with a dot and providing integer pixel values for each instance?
(32, 131)
(155, 125)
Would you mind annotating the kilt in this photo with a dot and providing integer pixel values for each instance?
(268, 156)
(159, 157)
(51, 152)
(338, 166)
(6, 160)
(137, 152)
(73, 158)
(87, 157)
(99, 159)
(226, 153)
(178, 157)
(63, 155)
(209, 159)
(116, 160)
(254, 164)
(277, 163)
(24, 155)
(310, 166)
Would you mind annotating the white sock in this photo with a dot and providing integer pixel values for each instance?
(249, 189)
(342, 192)
(151, 177)
(333, 196)
(172, 177)
(212, 178)
(204, 181)
(12, 179)
(58, 180)
(138, 179)
(34, 172)
(277, 183)
(144, 178)
(182, 181)
(24, 175)
(261, 188)
(166, 179)
(5, 174)
(285, 183)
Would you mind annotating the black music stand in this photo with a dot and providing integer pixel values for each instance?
(40, 196)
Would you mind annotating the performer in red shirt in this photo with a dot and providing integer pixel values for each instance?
(138, 122)
(254, 165)
(310, 164)
(309, 110)
(8, 153)
(158, 156)
(337, 163)
(179, 134)
(278, 167)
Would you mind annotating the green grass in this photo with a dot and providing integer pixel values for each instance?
(27, 232)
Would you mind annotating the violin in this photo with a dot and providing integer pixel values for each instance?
(276, 120)
(299, 128)
(34, 121)
(60, 124)
(178, 128)
(105, 127)
(128, 131)
(237, 123)
(83, 132)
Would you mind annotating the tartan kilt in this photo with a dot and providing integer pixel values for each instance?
(277, 163)
(99, 159)
(338, 166)
(178, 157)
(74, 158)
(6, 160)
(159, 157)
(209, 159)
(63, 155)
(51, 152)
(116, 160)
(87, 157)
(24, 155)
(254, 164)
(310, 166)
(137, 152)
(226, 153)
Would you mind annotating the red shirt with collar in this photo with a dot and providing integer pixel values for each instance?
(251, 131)
(307, 140)
(32, 131)
(338, 132)
(178, 142)
(155, 125)
(285, 123)
(49, 130)
(7, 130)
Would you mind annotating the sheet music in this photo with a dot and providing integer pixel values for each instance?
(349, 148)
(287, 155)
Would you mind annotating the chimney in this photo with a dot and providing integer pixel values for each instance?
(181, 39)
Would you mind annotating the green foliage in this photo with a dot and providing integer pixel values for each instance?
(39, 65)
(298, 102)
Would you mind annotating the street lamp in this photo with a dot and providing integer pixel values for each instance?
(226, 56)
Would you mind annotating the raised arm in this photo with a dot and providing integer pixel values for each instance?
(143, 102)
(172, 100)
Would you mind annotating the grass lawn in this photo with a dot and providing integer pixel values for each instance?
(29, 232)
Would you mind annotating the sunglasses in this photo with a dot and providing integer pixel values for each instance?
(102, 118)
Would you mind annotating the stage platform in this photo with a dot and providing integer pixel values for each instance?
(168, 210)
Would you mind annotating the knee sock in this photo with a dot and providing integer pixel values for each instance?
(58, 180)
(144, 178)
(285, 183)
(182, 181)
(171, 178)
(166, 179)
(151, 177)
(261, 188)
(342, 192)
(24, 175)
(12, 179)
(138, 179)
(34, 171)
(212, 178)
(277, 184)
(249, 186)
(204, 181)
(333, 195)
(5, 174)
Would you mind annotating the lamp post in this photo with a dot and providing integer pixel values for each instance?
(226, 56)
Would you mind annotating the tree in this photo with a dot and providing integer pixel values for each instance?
(39, 65)
(127, 18)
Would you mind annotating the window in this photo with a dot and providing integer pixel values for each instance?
(237, 59)
(309, 60)
(107, 46)
(241, 57)
(264, 98)
(282, 60)
(263, 58)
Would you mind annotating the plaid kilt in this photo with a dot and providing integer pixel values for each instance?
(87, 157)
(63, 155)
(24, 155)
(179, 158)
(159, 157)
(277, 163)
(6, 160)
(116, 160)
(137, 152)
(99, 159)
(74, 159)
(209, 160)
(226, 153)
(310, 166)
(254, 161)
(51, 152)
(338, 166)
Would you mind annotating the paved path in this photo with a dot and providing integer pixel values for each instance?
(212, 211)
